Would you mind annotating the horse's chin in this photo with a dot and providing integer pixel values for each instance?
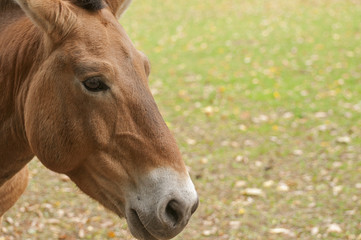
(136, 226)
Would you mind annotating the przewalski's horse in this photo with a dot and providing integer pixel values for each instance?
(74, 92)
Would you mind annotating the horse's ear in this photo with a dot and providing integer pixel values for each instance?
(118, 7)
(53, 16)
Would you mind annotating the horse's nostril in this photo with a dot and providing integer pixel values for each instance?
(177, 212)
(195, 206)
(172, 212)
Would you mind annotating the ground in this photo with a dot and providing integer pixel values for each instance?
(264, 99)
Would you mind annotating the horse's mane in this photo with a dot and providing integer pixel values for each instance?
(7, 5)
(91, 5)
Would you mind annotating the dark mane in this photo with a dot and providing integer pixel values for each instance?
(7, 5)
(91, 5)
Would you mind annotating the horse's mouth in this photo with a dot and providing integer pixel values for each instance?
(137, 227)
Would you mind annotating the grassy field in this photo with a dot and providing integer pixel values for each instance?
(264, 98)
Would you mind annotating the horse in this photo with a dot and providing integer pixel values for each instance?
(74, 93)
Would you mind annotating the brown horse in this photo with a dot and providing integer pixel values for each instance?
(74, 93)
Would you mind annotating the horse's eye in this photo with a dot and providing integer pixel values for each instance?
(95, 84)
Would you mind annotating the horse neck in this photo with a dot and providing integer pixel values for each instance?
(21, 53)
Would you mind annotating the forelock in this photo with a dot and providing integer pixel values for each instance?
(91, 5)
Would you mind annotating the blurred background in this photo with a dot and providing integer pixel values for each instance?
(264, 99)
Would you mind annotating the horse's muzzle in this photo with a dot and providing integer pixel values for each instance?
(162, 205)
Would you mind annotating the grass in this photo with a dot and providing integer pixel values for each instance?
(259, 94)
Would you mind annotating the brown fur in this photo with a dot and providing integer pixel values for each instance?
(104, 141)
(12, 190)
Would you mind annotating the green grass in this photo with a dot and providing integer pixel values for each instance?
(254, 91)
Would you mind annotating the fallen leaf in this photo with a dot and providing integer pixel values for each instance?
(336, 190)
(235, 224)
(241, 183)
(268, 183)
(111, 234)
(320, 115)
(209, 110)
(210, 231)
(297, 152)
(334, 228)
(283, 187)
(315, 231)
(242, 127)
(81, 233)
(204, 160)
(252, 192)
(343, 139)
(282, 231)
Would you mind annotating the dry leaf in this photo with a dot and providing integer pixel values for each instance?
(334, 228)
(282, 231)
(268, 183)
(252, 192)
(344, 139)
(283, 187)
(111, 234)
